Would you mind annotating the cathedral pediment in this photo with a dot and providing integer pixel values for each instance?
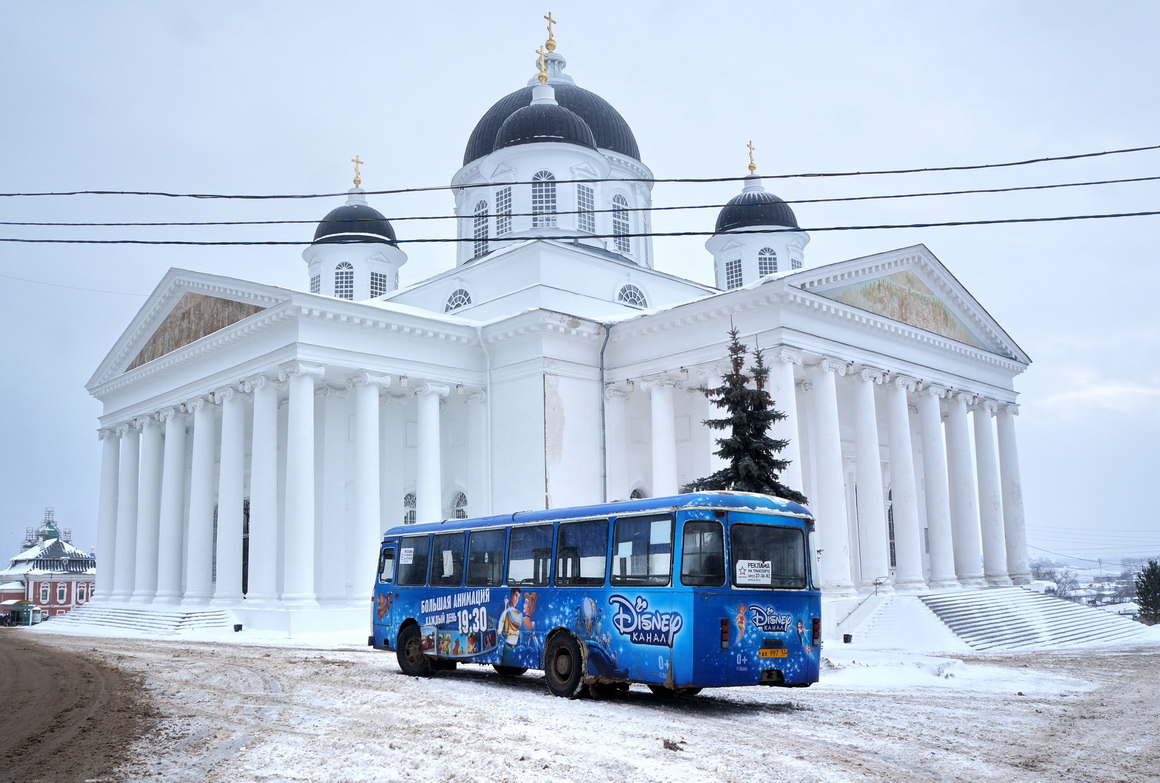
(193, 317)
(911, 286)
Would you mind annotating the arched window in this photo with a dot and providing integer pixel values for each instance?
(544, 200)
(631, 295)
(480, 234)
(585, 204)
(61, 593)
(81, 592)
(459, 298)
(344, 281)
(44, 594)
(766, 261)
(409, 508)
(620, 222)
(459, 506)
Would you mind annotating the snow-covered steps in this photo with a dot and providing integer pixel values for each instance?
(147, 620)
(1012, 618)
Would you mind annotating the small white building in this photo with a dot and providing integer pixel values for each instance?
(257, 440)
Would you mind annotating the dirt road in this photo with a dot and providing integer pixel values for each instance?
(276, 713)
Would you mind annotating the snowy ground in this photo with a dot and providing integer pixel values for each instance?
(248, 707)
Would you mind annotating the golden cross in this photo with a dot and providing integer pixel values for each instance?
(543, 77)
(357, 163)
(551, 22)
(752, 165)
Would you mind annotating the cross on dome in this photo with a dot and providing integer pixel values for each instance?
(752, 165)
(550, 44)
(357, 163)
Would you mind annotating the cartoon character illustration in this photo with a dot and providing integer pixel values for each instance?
(740, 621)
(456, 649)
(383, 604)
(513, 621)
(804, 636)
(472, 643)
(444, 644)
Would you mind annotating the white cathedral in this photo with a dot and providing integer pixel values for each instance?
(257, 440)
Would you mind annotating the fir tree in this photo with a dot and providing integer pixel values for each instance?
(1148, 593)
(750, 454)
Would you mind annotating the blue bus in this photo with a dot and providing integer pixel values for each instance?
(679, 593)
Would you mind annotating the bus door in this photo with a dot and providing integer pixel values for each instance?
(704, 653)
(384, 592)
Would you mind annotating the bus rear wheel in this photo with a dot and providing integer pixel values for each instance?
(564, 666)
(409, 653)
(509, 671)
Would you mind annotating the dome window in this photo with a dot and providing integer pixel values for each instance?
(585, 204)
(766, 261)
(378, 283)
(344, 280)
(544, 200)
(459, 298)
(316, 284)
(409, 508)
(732, 274)
(631, 295)
(459, 506)
(620, 222)
(503, 211)
(480, 229)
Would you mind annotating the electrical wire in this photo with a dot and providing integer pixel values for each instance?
(645, 180)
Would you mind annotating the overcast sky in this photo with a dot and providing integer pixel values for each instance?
(276, 97)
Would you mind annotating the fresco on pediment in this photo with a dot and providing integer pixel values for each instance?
(903, 296)
(194, 317)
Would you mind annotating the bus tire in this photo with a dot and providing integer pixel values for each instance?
(509, 671)
(564, 666)
(409, 652)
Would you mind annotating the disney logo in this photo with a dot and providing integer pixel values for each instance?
(764, 618)
(634, 620)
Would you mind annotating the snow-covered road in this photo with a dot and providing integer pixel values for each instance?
(281, 712)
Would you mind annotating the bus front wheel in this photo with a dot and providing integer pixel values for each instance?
(409, 652)
(564, 666)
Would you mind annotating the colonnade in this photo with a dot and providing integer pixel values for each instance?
(934, 504)
(179, 484)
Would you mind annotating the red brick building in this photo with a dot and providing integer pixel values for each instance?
(49, 571)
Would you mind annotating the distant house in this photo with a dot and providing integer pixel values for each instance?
(49, 572)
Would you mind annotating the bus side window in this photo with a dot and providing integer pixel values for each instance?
(447, 561)
(530, 555)
(387, 565)
(703, 554)
(642, 550)
(485, 558)
(582, 553)
(413, 560)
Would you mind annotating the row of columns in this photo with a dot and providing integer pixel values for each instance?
(975, 529)
(159, 492)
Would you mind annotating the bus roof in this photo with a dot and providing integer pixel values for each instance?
(736, 501)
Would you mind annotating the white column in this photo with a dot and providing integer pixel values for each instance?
(231, 498)
(429, 470)
(783, 390)
(392, 459)
(298, 569)
(107, 513)
(127, 472)
(964, 509)
(664, 437)
(171, 530)
(873, 536)
(904, 498)
(262, 580)
(199, 543)
(478, 455)
(938, 503)
(829, 505)
(1014, 528)
(148, 512)
(368, 523)
(332, 531)
(990, 501)
(616, 481)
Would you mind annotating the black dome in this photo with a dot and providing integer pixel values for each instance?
(543, 122)
(354, 223)
(755, 208)
(608, 128)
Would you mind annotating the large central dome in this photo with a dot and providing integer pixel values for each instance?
(608, 127)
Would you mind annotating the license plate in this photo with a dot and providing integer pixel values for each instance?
(772, 652)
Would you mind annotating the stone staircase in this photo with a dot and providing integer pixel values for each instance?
(144, 619)
(1012, 618)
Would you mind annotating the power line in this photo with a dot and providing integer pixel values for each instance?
(570, 237)
(1082, 559)
(404, 218)
(646, 180)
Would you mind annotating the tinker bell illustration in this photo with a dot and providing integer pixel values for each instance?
(740, 621)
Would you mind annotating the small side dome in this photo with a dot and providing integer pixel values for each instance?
(354, 221)
(754, 206)
(549, 122)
